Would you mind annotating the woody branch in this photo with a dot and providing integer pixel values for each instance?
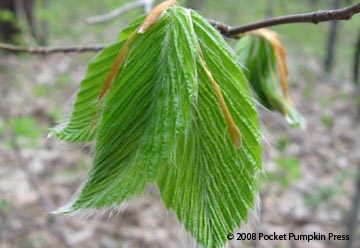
(226, 30)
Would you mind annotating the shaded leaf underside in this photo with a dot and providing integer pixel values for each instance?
(161, 123)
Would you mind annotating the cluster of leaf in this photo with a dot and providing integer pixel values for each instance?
(169, 105)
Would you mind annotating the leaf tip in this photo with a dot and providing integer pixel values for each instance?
(155, 15)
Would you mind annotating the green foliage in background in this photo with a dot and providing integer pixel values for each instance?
(327, 120)
(161, 122)
(288, 171)
(7, 16)
(320, 195)
(24, 131)
(5, 206)
(26, 127)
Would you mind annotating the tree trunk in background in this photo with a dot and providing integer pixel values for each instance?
(195, 4)
(331, 41)
(21, 10)
(43, 36)
(24, 10)
(356, 67)
(270, 8)
(8, 28)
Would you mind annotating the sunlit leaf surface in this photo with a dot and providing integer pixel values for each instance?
(162, 122)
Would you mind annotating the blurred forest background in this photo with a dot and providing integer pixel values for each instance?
(309, 184)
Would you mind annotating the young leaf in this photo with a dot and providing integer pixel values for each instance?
(263, 55)
(82, 126)
(173, 116)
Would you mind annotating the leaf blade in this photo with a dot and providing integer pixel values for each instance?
(163, 124)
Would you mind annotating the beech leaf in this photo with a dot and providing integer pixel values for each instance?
(264, 58)
(177, 113)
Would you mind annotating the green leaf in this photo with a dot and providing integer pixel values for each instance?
(257, 54)
(162, 123)
(82, 125)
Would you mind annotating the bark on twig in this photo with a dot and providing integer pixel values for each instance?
(224, 29)
(312, 17)
(50, 50)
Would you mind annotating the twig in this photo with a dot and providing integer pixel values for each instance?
(50, 50)
(224, 29)
(312, 17)
(115, 13)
